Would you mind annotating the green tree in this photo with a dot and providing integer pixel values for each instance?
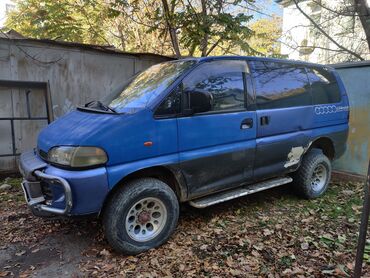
(68, 20)
(131, 28)
(170, 27)
(195, 27)
(265, 39)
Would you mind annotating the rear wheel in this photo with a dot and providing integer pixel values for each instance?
(313, 177)
(141, 215)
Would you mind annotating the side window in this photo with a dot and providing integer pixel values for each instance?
(280, 85)
(171, 105)
(324, 86)
(222, 80)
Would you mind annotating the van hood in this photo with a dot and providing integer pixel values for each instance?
(121, 136)
(80, 128)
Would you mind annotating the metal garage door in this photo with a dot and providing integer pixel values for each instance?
(24, 111)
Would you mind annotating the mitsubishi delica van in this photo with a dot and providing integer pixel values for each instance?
(199, 130)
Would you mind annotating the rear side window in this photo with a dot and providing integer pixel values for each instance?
(280, 85)
(223, 79)
(324, 85)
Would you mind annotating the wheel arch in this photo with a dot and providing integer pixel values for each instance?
(172, 177)
(326, 145)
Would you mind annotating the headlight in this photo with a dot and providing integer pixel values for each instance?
(77, 156)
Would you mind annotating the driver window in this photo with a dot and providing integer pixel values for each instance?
(222, 80)
(171, 104)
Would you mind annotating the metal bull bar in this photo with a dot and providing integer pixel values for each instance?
(37, 202)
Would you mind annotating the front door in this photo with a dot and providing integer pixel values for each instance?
(217, 146)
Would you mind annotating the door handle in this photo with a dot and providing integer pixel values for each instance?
(265, 120)
(246, 123)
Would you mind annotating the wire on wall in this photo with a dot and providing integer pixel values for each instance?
(29, 55)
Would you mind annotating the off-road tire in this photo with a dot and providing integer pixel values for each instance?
(304, 175)
(117, 209)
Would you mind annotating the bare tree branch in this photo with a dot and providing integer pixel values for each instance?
(317, 26)
(171, 29)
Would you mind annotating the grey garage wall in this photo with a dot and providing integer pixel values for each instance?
(74, 74)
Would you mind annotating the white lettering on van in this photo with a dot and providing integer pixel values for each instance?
(330, 109)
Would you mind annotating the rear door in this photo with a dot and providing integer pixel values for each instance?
(330, 107)
(284, 116)
(217, 146)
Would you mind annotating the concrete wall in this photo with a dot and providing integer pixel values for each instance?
(75, 76)
(357, 82)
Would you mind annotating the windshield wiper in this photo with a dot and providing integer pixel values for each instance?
(96, 104)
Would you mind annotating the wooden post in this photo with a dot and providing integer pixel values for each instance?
(363, 228)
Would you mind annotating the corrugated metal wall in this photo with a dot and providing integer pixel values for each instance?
(356, 79)
(74, 76)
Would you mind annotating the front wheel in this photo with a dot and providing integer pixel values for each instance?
(313, 177)
(141, 215)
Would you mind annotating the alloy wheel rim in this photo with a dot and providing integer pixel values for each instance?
(146, 219)
(319, 177)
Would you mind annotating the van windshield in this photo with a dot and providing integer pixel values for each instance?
(140, 89)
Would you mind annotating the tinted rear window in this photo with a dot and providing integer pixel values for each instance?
(280, 85)
(325, 88)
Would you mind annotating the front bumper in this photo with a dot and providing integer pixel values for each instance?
(53, 191)
(34, 195)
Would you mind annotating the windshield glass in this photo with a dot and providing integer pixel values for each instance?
(136, 92)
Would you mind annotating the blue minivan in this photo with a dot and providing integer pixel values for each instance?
(197, 130)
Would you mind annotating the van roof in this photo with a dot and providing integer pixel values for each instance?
(253, 58)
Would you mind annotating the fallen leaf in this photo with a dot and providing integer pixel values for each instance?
(267, 232)
(235, 272)
(203, 247)
(305, 246)
(20, 253)
(104, 252)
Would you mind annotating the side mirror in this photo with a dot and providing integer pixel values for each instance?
(201, 101)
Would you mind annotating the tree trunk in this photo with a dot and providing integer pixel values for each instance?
(204, 42)
(171, 29)
(121, 37)
(192, 50)
(363, 12)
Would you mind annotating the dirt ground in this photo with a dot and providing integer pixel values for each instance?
(269, 234)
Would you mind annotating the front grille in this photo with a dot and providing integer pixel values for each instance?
(46, 190)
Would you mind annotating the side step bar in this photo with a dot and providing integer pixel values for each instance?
(238, 192)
